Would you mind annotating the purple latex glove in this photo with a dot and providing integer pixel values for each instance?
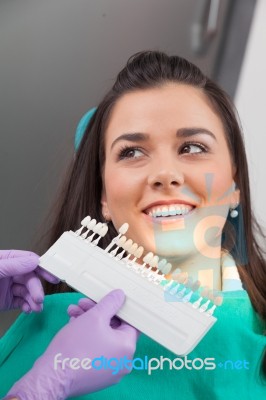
(89, 335)
(20, 286)
(84, 305)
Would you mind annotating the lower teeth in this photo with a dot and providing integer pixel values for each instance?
(163, 216)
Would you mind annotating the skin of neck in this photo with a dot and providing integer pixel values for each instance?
(204, 266)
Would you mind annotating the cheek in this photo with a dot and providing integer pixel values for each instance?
(222, 188)
(213, 183)
(119, 188)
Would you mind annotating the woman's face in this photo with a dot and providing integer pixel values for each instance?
(168, 171)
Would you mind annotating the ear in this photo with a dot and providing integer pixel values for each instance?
(105, 209)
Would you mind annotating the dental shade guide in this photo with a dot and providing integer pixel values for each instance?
(176, 324)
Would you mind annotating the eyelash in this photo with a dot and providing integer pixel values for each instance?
(125, 150)
(203, 148)
(123, 153)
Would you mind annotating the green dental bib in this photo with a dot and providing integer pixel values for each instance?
(235, 344)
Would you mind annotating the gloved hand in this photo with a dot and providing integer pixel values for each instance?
(85, 304)
(86, 336)
(20, 286)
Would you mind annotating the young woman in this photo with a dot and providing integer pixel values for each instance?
(164, 152)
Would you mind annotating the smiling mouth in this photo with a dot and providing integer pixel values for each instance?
(172, 211)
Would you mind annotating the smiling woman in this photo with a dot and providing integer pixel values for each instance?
(165, 140)
(163, 152)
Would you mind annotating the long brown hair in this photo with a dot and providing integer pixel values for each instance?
(81, 193)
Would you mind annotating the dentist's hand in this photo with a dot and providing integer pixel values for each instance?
(55, 377)
(20, 286)
(85, 304)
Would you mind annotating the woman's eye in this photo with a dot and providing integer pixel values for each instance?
(193, 148)
(130, 152)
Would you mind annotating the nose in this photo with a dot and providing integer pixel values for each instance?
(166, 177)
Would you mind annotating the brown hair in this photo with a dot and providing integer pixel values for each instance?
(81, 194)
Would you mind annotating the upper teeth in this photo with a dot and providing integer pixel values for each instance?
(173, 209)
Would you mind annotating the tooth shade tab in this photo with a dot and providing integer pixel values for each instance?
(195, 286)
(121, 241)
(166, 269)
(103, 230)
(97, 227)
(91, 224)
(182, 277)
(123, 229)
(148, 257)
(85, 221)
(204, 291)
(154, 261)
(162, 264)
(125, 246)
(128, 244)
(176, 274)
(189, 282)
(217, 302)
(133, 248)
(138, 253)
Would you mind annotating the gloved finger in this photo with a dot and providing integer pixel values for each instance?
(26, 308)
(74, 310)
(46, 275)
(33, 285)
(84, 305)
(19, 302)
(21, 291)
(36, 307)
(110, 304)
(4, 254)
(18, 266)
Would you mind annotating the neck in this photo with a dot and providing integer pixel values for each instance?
(206, 269)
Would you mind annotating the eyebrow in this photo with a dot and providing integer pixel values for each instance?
(181, 133)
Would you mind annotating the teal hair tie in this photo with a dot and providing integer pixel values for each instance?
(82, 125)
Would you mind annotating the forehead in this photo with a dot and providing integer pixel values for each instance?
(168, 107)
